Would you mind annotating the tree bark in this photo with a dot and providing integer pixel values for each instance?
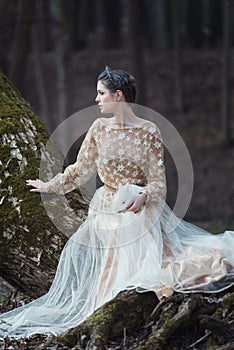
(194, 25)
(30, 244)
(161, 25)
(136, 48)
(7, 28)
(176, 9)
(21, 42)
(111, 18)
(38, 66)
(225, 108)
(63, 57)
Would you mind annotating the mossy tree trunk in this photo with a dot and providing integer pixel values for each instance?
(30, 244)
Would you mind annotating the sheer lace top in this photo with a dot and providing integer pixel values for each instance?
(132, 154)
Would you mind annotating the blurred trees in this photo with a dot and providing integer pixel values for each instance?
(20, 45)
(65, 27)
(226, 70)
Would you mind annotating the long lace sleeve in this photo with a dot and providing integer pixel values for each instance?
(156, 179)
(78, 173)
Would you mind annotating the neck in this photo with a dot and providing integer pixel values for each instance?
(124, 115)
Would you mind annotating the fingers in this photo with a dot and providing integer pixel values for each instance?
(132, 206)
(135, 204)
(127, 207)
(34, 183)
(35, 190)
(31, 182)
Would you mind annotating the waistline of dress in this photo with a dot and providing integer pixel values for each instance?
(114, 190)
(110, 188)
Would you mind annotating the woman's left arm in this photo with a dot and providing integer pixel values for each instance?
(156, 188)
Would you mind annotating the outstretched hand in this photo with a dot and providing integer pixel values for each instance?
(135, 204)
(38, 184)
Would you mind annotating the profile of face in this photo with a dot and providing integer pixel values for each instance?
(107, 100)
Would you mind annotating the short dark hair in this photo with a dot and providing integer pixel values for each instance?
(119, 79)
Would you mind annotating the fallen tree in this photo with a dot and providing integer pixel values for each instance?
(31, 245)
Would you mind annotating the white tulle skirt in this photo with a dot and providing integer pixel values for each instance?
(111, 252)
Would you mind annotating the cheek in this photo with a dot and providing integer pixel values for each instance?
(107, 98)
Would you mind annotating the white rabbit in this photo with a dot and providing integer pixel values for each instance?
(124, 195)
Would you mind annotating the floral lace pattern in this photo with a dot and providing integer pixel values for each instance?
(131, 155)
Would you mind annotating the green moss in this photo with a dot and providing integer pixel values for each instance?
(102, 322)
(162, 330)
(228, 302)
(226, 307)
(98, 326)
(11, 101)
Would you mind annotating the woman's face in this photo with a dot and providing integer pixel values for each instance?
(105, 99)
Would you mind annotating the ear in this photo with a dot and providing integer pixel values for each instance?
(119, 95)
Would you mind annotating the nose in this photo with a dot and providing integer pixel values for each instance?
(97, 99)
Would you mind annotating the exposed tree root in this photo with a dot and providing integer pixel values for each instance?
(172, 318)
(129, 311)
(140, 322)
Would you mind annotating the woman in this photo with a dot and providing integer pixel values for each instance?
(124, 242)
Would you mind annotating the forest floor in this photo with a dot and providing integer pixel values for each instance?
(200, 126)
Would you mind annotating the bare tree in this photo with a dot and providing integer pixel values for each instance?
(38, 64)
(194, 24)
(178, 55)
(62, 54)
(46, 25)
(111, 18)
(77, 23)
(212, 21)
(136, 47)
(7, 29)
(226, 112)
(21, 42)
(161, 25)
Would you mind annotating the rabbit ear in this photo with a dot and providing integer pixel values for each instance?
(120, 186)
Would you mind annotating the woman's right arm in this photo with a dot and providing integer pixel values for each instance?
(74, 175)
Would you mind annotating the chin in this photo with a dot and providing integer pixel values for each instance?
(108, 108)
(104, 111)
